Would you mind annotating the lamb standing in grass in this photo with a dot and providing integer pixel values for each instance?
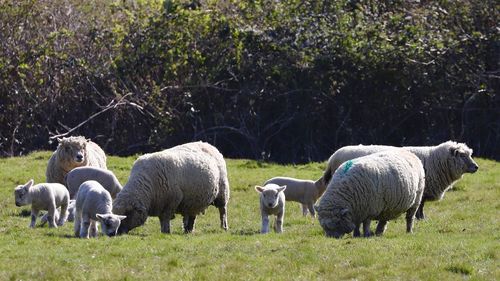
(272, 202)
(44, 196)
(305, 192)
(73, 152)
(93, 203)
(79, 175)
(380, 186)
(184, 179)
(444, 164)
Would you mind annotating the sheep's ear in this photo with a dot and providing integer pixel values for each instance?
(281, 188)
(100, 217)
(121, 217)
(88, 140)
(259, 189)
(316, 208)
(59, 140)
(29, 184)
(454, 151)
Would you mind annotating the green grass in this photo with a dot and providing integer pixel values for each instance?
(459, 240)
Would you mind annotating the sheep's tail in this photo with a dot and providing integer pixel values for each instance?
(327, 176)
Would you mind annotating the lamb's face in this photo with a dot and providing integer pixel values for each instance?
(21, 194)
(269, 194)
(461, 160)
(71, 151)
(336, 223)
(110, 223)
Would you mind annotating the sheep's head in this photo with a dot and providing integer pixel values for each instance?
(21, 193)
(336, 222)
(72, 152)
(269, 194)
(134, 214)
(109, 223)
(460, 159)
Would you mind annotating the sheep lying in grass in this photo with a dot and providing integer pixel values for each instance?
(71, 213)
(444, 164)
(79, 175)
(305, 192)
(380, 186)
(184, 179)
(43, 196)
(73, 152)
(272, 202)
(93, 203)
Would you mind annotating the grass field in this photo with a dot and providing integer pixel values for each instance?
(460, 239)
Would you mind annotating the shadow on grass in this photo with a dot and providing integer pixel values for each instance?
(245, 232)
(24, 213)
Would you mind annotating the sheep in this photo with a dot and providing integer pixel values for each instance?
(79, 175)
(71, 213)
(43, 196)
(94, 203)
(380, 186)
(182, 180)
(305, 192)
(272, 202)
(444, 165)
(73, 152)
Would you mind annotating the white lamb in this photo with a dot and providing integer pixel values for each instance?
(93, 203)
(444, 164)
(380, 186)
(182, 180)
(272, 202)
(305, 192)
(43, 196)
(79, 175)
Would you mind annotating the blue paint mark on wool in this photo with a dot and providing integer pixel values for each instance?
(348, 165)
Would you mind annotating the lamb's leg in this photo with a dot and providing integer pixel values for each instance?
(265, 223)
(366, 228)
(189, 223)
(420, 212)
(310, 206)
(223, 217)
(278, 226)
(304, 210)
(34, 215)
(381, 226)
(93, 228)
(51, 215)
(85, 225)
(63, 215)
(78, 221)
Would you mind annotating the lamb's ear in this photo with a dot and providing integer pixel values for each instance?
(88, 140)
(121, 217)
(100, 217)
(454, 151)
(259, 188)
(29, 184)
(281, 188)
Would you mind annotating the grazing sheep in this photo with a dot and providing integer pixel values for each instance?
(73, 152)
(43, 196)
(71, 213)
(79, 175)
(272, 202)
(444, 164)
(222, 197)
(305, 192)
(93, 203)
(380, 186)
(184, 179)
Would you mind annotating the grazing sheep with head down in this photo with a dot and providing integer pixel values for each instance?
(380, 186)
(79, 175)
(93, 203)
(44, 196)
(305, 192)
(444, 164)
(184, 179)
(73, 152)
(272, 202)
